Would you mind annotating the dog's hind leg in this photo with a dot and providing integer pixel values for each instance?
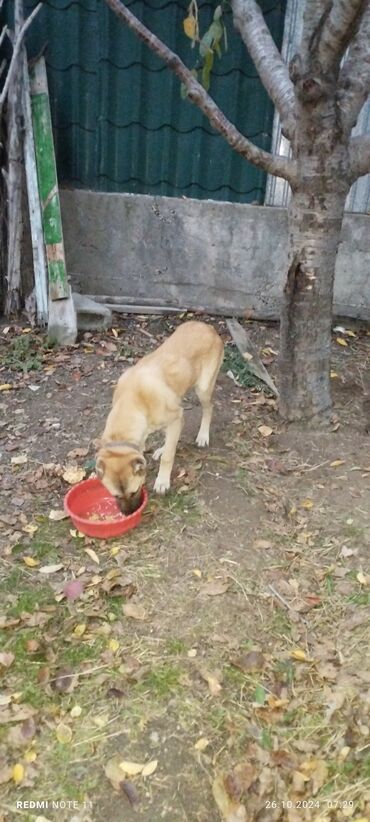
(204, 389)
(173, 432)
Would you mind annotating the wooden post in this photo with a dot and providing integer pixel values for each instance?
(48, 184)
(38, 250)
(14, 178)
(62, 323)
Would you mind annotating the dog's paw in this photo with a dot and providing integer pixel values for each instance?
(202, 440)
(158, 453)
(161, 485)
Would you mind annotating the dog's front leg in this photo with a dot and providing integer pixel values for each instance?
(173, 432)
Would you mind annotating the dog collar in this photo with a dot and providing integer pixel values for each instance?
(120, 443)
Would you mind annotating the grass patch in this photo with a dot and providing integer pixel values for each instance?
(233, 361)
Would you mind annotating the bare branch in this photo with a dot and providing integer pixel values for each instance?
(16, 48)
(354, 78)
(334, 32)
(249, 21)
(359, 156)
(281, 166)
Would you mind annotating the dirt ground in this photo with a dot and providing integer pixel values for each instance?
(215, 662)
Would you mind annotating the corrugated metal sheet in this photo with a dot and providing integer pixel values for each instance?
(119, 121)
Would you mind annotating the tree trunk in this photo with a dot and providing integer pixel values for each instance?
(315, 219)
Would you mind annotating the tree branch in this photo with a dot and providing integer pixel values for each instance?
(354, 78)
(359, 156)
(334, 32)
(249, 21)
(16, 48)
(280, 166)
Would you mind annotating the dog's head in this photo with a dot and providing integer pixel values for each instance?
(121, 469)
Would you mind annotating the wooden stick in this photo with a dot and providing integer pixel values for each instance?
(250, 355)
(12, 88)
(19, 35)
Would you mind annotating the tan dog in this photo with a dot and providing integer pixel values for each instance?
(148, 398)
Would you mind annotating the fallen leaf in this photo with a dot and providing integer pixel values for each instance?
(76, 711)
(80, 629)
(215, 587)
(299, 655)
(362, 579)
(130, 768)
(73, 474)
(133, 611)
(265, 430)
(149, 768)
(346, 552)
(51, 569)
(336, 463)
(307, 504)
(19, 460)
(250, 661)
(6, 659)
(202, 744)
(63, 733)
(57, 515)
(32, 645)
(6, 386)
(113, 645)
(65, 681)
(78, 452)
(341, 341)
(18, 773)
(230, 810)
(31, 562)
(30, 528)
(91, 553)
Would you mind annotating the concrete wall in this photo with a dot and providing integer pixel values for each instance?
(224, 257)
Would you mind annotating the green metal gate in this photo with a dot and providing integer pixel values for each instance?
(119, 121)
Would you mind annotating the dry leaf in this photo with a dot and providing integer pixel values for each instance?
(362, 579)
(341, 341)
(21, 459)
(250, 661)
(57, 515)
(131, 768)
(307, 504)
(63, 733)
(202, 744)
(215, 587)
(80, 629)
(18, 773)
(230, 811)
(265, 430)
(336, 463)
(133, 611)
(76, 711)
(78, 452)
(91, 553)
(299, 655)
(73, 474)
(51, 569)
(190, 27)
(149, 768)
(6, 659)
(30, 528)
(31, 562)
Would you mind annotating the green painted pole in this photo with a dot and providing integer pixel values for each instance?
(59, 288)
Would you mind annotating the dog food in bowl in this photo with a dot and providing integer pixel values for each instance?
(94, 511)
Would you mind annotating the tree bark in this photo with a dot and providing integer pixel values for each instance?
(305, 328)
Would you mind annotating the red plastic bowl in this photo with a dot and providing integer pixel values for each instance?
(91, 499)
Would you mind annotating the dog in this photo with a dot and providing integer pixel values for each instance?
(147, 398)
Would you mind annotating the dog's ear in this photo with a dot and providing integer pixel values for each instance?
(138, 464)
(100, 468)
